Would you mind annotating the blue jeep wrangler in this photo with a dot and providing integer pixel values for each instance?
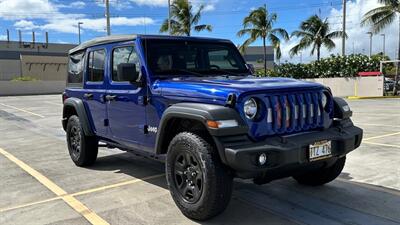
(194, 104)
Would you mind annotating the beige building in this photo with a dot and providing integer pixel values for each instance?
(43, 61)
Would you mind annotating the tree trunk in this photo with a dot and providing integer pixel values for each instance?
(318, 53)
(265, 57)
(396, 82)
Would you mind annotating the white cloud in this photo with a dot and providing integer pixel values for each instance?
(73, 5)
(157, 3)
(25, 25)
(23, 9)
(357, 34)
(3, 37)
(26, 13)
(209, 7)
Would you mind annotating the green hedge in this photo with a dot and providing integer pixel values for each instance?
(333, 66)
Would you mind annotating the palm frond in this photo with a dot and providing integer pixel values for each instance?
(199, 28)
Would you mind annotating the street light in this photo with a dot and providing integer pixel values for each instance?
(79, 31)
(370, 43)
(383, 47)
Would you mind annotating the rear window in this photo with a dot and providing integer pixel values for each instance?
(75, 70)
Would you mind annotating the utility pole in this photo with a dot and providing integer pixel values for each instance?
(169, 17)
(79, 31)
(344, 29)
(108, 17)
(384, 43)
(370, 43)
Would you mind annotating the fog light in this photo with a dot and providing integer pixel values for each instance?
(262, 159)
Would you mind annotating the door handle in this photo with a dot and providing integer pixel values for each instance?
(110, 97)
(88, 96)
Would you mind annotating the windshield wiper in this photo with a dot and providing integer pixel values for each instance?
(228, 72)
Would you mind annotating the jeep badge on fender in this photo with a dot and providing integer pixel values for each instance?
(194, 103)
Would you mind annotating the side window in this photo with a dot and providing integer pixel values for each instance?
(125, 54)
(222, 59)
(75, 69)
(95, 71)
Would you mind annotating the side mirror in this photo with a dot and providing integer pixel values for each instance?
(251, 68)
(127, 72)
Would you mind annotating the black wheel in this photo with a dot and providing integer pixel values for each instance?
(322, 176)
(199, 183)
(82, 149)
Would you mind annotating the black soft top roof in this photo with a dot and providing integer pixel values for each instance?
(130, 37)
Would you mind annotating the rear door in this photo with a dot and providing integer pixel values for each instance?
(95, 88)
(126, 106)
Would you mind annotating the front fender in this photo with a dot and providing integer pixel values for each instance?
(202, 113)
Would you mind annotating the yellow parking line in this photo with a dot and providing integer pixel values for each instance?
(78, 206)
(381, 136)
(386, 145)
(124, 183)
(22, 110)
(120, 184)
(29, 204)
(378, 125)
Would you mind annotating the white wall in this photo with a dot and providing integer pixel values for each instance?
(31, 87)
(357, 86)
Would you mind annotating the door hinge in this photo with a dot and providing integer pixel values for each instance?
(143, 100)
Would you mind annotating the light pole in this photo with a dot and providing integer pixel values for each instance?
(384, 43)
(370, 43)
(79, 31)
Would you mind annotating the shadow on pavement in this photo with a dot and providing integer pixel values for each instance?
(284, 201)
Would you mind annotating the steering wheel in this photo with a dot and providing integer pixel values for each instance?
(215, 67)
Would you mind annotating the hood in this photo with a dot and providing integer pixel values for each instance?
(218, 88)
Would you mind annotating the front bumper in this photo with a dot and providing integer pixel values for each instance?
(290, 151)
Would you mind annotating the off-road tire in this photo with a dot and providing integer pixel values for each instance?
(322, 176)
(217, 181)
(88, 145)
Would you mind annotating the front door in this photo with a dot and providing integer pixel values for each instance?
(126, 108)
(94, 90)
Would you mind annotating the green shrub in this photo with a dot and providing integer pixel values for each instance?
(333, 66)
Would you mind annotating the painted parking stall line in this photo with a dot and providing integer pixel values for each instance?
(74, 203)
(22, 110)
(381, 136)
(381, 144)
(88, 191)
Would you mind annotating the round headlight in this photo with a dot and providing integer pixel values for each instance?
(250, 108)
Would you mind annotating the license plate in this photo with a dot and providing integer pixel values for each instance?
(320, 150)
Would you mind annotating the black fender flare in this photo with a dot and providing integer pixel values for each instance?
(201, 112)
(80, 110)
(341, 109)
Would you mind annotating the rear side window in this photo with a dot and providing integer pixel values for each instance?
(95, 71)
(125, 54)
(75, 69)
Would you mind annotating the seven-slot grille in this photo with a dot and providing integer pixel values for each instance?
(294, 112)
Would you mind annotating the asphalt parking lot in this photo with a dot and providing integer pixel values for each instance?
(40, 185)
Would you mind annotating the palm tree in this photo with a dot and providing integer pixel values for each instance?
(183, 19)
(259, 24)
(316, 33)
(382, 17)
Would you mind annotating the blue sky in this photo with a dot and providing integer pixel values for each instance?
(60, 17)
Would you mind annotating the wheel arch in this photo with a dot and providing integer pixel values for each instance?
(198, 114)
(75, 106)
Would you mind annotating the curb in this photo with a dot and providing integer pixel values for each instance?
(371, 97)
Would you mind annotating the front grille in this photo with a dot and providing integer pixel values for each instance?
(294, 112)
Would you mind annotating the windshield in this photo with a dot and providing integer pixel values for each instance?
(181, 57)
